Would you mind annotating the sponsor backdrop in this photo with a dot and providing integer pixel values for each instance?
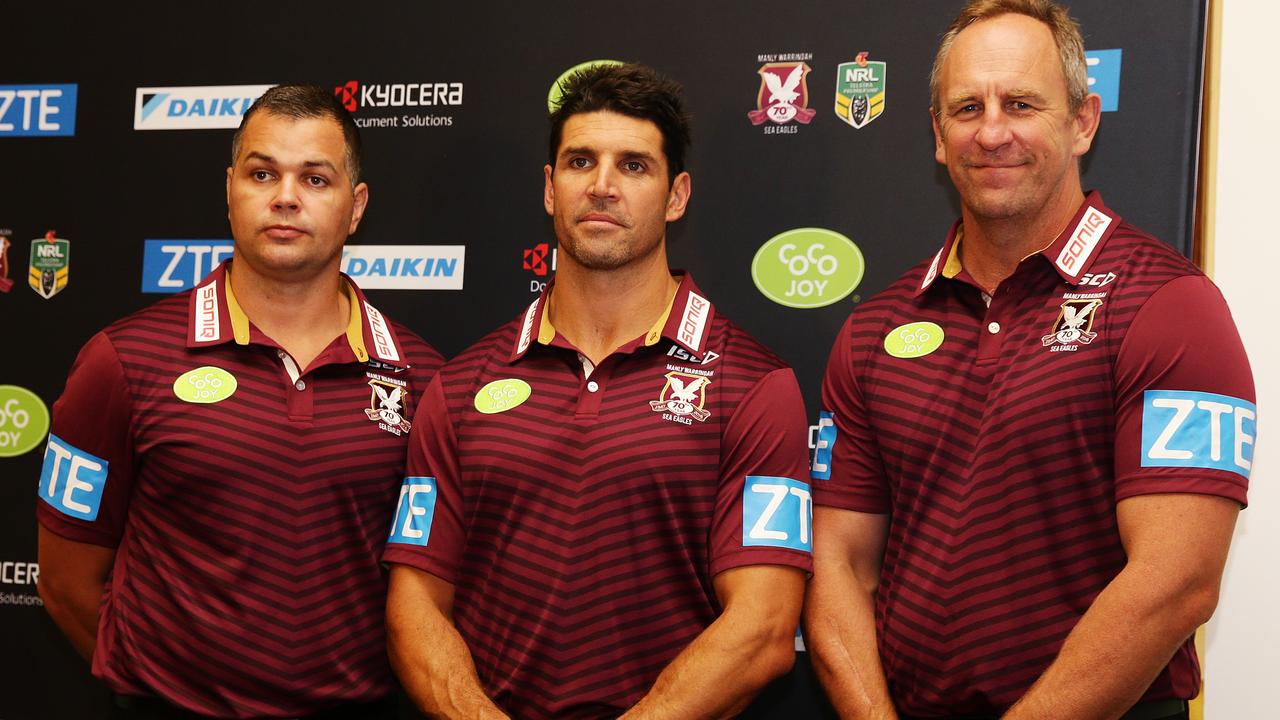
(813, 175)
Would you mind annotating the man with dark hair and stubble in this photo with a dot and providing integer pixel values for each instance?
(1034, 445)
(215, 489)
(605, 513)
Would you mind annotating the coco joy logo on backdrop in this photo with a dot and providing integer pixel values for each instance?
(807, 268)
(24, 420)
(395, 105)
(193, 108)
(557, 88)
(38, 110)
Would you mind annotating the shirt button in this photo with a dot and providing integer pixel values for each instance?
(593, 386)
(993, 328)
(280, 354)
(301, 384)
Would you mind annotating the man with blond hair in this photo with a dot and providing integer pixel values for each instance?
(1033, 445)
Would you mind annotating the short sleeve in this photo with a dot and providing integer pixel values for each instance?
(1185, 413)
(764, 508)
(86, 481)
(427, 530)
(847, 470)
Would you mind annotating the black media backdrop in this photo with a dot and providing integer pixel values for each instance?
(477, 180)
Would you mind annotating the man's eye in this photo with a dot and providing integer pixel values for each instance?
(316, 181)
(260, 175)
(633, 166)
(1019, 105)
(967, 109)
(579, 162)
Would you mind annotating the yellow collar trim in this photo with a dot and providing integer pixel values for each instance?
(355, 324)
(953, 265)
(239, 321)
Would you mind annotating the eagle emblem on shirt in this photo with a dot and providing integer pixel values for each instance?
(1074, 326)
(387, 401)
(682, 398)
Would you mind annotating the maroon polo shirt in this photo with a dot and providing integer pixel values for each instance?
(582, 512)
(246, 501)
(1000, 436)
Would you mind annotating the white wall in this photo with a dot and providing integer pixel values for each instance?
(1243, 640)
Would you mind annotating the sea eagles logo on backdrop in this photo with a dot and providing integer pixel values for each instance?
(783, 94)
(860, 90)
(193, 108)
(387, 400)
(5, 283)
(50, 265)
(682, 398)
(1074, 325)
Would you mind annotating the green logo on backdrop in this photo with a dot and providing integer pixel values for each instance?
(502, 395)
(24, 420)
(914, 340)
(807, 268)
(205, 385)
(555, 93)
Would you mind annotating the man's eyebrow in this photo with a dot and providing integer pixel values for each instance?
(255, 155)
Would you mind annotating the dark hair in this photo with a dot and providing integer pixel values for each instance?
(633, 90)
(305, 101)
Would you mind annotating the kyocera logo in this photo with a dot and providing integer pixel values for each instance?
(37, 110)
(356, 96)
(193, 108)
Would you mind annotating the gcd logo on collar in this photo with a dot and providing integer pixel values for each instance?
(502, 395)
(914, 340)
(205, 385)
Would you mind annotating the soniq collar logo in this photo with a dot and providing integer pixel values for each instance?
(557, 88)
(24, 420)
(808, 268)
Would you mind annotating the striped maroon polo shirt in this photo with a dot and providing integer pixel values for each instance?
(246, 499)
(582, 512)
(999, 438)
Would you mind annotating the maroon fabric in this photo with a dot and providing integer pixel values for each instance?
(1001, 455)
(582, 529)
(248, 531)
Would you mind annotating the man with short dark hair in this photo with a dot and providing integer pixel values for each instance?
(605, 513)
(1033, 445)
(221, 463)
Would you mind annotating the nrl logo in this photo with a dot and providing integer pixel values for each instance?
(50, 264)
(1074, 325)
(385, 405)
(860, 90)
(784, 94)
(682, 398)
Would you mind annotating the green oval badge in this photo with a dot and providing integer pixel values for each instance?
(914, 340)
(24, 420)
(807, 268)
(502, 395)
(205, 385)
(555, 93)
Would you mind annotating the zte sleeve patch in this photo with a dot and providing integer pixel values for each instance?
(822, 446)
(414, 512)
(1182, 428)
(777, 512)
(72, 480)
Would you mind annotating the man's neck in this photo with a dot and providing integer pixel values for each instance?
(599, 311)
(302, 317)
(992, 248)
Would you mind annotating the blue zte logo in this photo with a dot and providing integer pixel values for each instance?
(37, 110)
(1181, 428)
(72, 480)
(414, 512)
(777, 512)
(1104, 76)
(169, 266)
(822, 446)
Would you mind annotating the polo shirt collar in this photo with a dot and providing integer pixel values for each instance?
(685, 321)
(1072, 253)
(216, 318)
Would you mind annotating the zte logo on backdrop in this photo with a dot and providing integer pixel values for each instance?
(193, 108)
(37, 110)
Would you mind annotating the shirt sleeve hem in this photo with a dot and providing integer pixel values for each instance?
(762, 556)
(75, 533)
(1136, 485)
(394, 555)
(858, 503)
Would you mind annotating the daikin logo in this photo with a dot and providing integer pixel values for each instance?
(193, 108)
(405, 267)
